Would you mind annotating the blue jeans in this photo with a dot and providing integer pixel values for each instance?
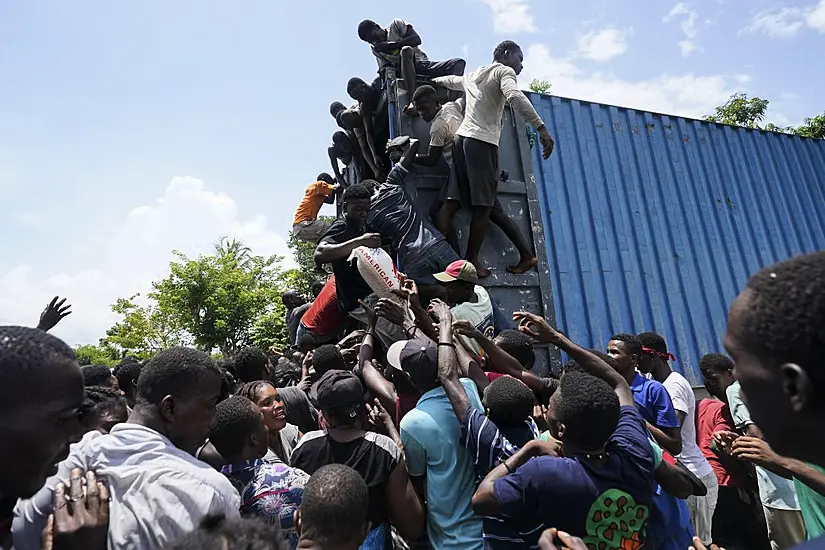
(434, 259)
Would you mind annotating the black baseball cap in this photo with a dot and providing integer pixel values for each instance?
(339, 389)
(418, 359)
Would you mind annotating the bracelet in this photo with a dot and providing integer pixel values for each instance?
(507, 467)
(450, 344)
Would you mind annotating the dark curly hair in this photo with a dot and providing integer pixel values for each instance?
(250, 364)
(218, 533)
(588, 408)
(502, 49)
(518, 345)
(508, 401)
(174, 371)
(631, 343)
(785, 319)
(715, 362)
(236, 419)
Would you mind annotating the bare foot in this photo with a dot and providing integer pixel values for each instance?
(525, 265)
(410, 110)
(481, 271)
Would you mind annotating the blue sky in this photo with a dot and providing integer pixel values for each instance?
(131, 128)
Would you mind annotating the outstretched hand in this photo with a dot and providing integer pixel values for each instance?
(547, 143)
(537, 327)
(81, 519)
(568, 541)
(392, 311)
(54, 313)
(440, 311)
(699, 545)
(466, 328)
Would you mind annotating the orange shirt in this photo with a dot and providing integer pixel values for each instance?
(312, 202)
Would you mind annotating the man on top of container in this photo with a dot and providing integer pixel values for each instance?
(476, 152)
(398, 47)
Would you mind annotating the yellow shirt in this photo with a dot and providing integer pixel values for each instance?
(312, 202)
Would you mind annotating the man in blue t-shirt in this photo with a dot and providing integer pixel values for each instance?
(670, 526)
(602, 489)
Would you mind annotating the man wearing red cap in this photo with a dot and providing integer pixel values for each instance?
(468, 300)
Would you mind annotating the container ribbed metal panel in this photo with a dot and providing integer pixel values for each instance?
(655, 222)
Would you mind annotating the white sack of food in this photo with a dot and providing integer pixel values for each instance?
(377, 269)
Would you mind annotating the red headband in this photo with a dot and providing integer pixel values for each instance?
(652, 351)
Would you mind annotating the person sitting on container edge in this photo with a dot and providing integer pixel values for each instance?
(349, 120)
(296, 305)
(346, 234)
(305, 225)
(397, 47)
(343, 149)
(376, 124)
(421, 249)
(476, 154)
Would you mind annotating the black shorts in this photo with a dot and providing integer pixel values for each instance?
(477, 172)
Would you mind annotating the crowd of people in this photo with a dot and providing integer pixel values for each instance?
(415, 420)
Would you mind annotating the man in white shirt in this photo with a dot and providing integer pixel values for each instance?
(654, 361)
(398, 47)
(468, 300)
(476, 152)
(159, 491)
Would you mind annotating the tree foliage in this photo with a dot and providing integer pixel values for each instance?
(220, 301)
(143, 330)
(540, 86)
(101, 354)
(304, 276)
(749, 112)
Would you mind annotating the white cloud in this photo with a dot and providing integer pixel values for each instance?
(687, 47)
(125, 260)
(689, 18)
(605, 44)
(511, 16)
(782, 22)
(815, 18)
(786, 22)
(682, 94)
(688, 24)
(743, 78)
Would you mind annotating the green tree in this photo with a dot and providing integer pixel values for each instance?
(234, 249)
(92, 354)
(812, 127)
(217, 299)
(540, 86)
(749, 112)
(305, 275)
(143, 330)
(741, 110)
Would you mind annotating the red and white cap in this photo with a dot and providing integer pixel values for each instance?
(459, 270)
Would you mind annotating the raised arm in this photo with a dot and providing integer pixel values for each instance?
(409, 156)
(448, 369)
(327, 252)
(535, 326)
(379, 386)
(333, 159)
(431, 157)
(500, 359)
(517, 100)
(469, 367)
(452, 82)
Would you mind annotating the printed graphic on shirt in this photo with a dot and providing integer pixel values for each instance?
(615, 522)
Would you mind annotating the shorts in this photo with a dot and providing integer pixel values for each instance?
(476, 164)
(310, 231)
(434, 259)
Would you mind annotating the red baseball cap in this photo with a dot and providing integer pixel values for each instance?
(459, 270)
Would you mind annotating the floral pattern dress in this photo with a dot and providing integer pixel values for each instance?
(269, 491)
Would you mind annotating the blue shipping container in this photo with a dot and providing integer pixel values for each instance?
(655, 222)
